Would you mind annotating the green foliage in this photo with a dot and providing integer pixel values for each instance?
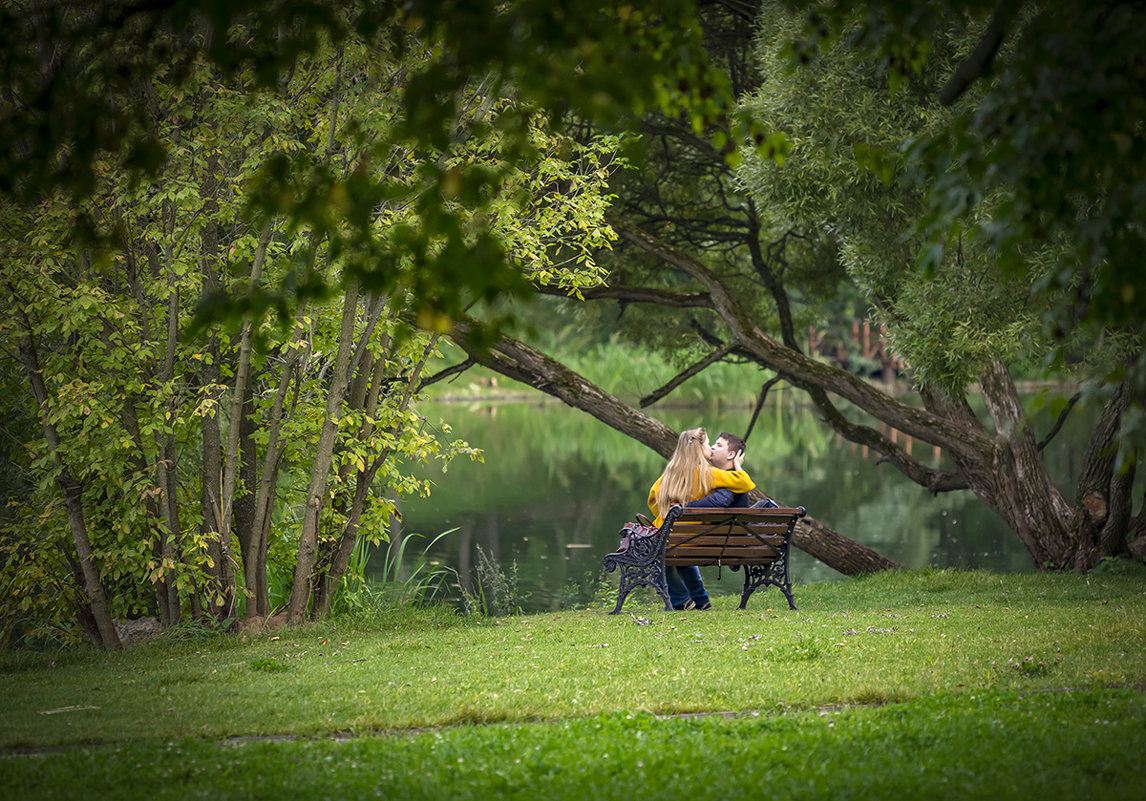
(130, 396)
(847, 177)
(271, 193)
(599, 63)
(1041, 147)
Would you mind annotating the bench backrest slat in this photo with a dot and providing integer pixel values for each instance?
(719, 540)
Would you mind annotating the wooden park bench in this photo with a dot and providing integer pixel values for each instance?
(756, 540)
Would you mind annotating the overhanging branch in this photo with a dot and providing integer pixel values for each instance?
(448, 372)
(799, 369)
(935, 481)
(680, 378)
(521, 362)
(630, 294)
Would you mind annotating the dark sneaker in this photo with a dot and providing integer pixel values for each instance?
(689, 604)
(707, 605)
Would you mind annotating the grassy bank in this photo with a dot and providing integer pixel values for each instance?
(957, 683)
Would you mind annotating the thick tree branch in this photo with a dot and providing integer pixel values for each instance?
(1100, 492)
(935, 481)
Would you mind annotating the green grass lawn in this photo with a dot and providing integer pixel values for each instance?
(946, 684)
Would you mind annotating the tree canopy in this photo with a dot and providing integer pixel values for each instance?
(1042, 151)
(73, 73)
(183, 467)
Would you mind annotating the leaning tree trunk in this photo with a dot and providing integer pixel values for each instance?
(1016, 485)
(1011, 478)
(522, 363)
(71, 488)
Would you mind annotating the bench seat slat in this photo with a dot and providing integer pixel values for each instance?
(712, 561)
(776, 515)
(764, 555)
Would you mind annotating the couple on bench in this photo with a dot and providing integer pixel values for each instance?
(700, 474)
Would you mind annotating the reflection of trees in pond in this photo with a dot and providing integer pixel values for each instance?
(555, 479)
(540, 519)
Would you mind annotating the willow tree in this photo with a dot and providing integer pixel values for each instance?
(730, 264)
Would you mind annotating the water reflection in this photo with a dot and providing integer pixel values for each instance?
(557, 485)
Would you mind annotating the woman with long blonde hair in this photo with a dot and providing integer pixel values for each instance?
(688, 478)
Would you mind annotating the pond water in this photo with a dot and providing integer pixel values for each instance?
(557, 485)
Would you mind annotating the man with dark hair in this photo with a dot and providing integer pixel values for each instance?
(724, 452)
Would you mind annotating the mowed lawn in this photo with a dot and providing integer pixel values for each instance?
(942, 683)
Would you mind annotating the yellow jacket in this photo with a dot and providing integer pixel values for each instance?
(735, 480)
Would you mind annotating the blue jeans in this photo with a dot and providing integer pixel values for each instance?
(684, 582)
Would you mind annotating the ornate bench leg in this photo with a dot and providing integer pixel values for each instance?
(756, 576)
(633, 576)
(622, 593)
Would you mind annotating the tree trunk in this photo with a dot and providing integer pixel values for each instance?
(72, 491)
(167, 594)
(255, 557)
(169, 604)
(210, 491)
(1103, 504)
(232, 456)
(522, 363)
(1012, 480)
(324, 453)
(243, 505)
(219, 592)
(341, 558)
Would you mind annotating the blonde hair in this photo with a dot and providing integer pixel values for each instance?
(688, 475)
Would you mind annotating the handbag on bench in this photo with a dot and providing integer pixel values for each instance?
(634, 531)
